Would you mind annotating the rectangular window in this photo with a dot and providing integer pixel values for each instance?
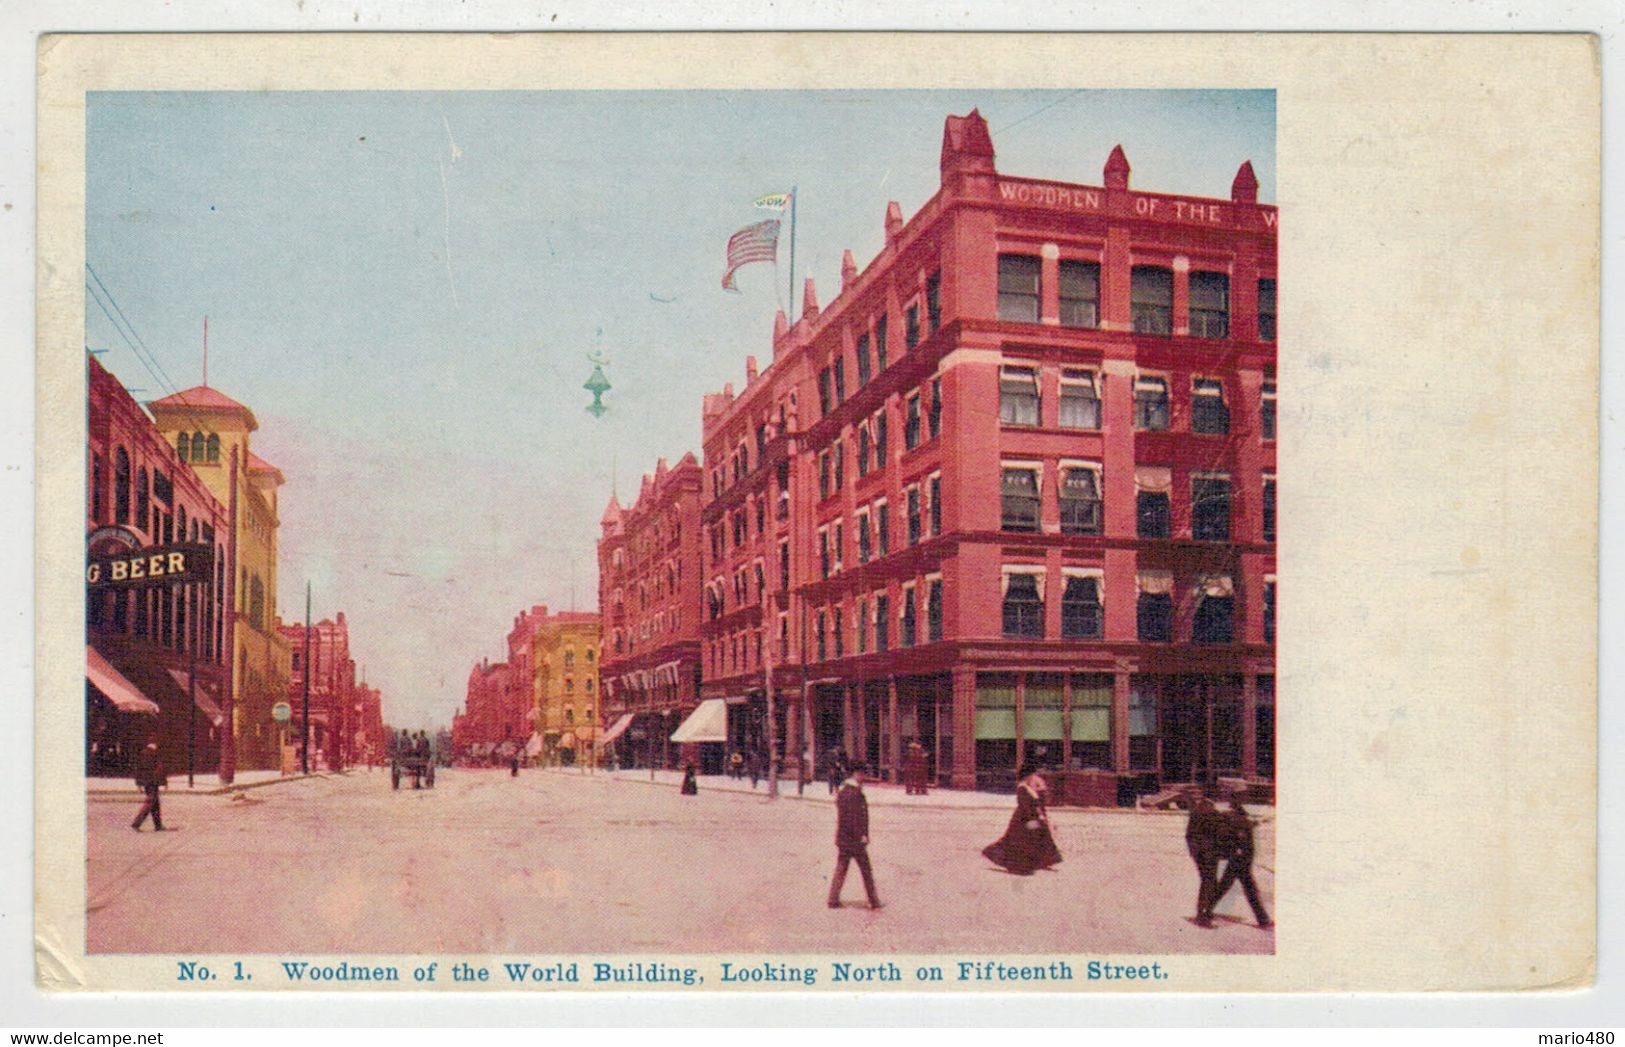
(1154, 617)
(840, 544)
(1151, 299)
(883, 527)
(1080, 501)
(911, 326)
(824, 402)
(823, 475)
(1151, 514)
(1080, 294)
(840, 464)
(1266, 310)
(880, 343)
(881, 438)
(1142, 723)
(863, 450)
(1023, 607)
(1019, 500)
(908, 632)
(1151, 403)
(912, 496)
(936, 407)
(1080, 403)
(1018, 288)
(1269, 508)
(1043, 722)
(1018, 396)
(1080, 609)
(784, 565)
(911, 422)
(1269, 610)
(1267, 411)
(1092, 720)
(860, 623)
(863, 359)
(1208, 411)
(864, 545)
(936, 503)
(840, 635)
(840, 380)
(933, 610)
(1214, 619)
(933, 301)
(995, 723)
(1210, 508)
(823, 633)
(1210, 305)
(882, 623)
(823, 553)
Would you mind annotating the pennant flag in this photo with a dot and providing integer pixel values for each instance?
(773, 201)
(754, 243)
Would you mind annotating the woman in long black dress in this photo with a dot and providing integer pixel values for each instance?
(1026, 845)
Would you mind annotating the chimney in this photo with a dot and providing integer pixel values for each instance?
(1244, 190)
(1117, 169)
(849, 269)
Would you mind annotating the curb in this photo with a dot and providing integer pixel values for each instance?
(221, 790)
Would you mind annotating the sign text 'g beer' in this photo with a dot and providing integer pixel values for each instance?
(176, 564)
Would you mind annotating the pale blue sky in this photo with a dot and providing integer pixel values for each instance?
(404, 287)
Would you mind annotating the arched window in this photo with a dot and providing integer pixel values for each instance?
(121, 487)
(142, 503)
(98, 479)
(214, 447)
(183, 445)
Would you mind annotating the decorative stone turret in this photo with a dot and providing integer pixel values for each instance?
(849, 269)
(1244, 190)
(809, 300)
(1117, 169)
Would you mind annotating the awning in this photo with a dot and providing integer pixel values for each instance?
(568, 741)
(616, 729)
(111, 682)
(707, 723)
(534, 746)
(205, 704)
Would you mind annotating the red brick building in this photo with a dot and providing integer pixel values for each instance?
(333, 691)
(649, 593)
(152, 641)
(478, 729)
(1011, 493)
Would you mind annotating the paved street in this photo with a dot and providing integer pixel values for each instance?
(559, 862)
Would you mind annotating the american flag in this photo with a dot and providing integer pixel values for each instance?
(754, 243)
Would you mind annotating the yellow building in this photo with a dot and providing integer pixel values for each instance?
(564, 661)
(211, 431)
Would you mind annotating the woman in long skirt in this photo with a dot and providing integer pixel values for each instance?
(1027, 844)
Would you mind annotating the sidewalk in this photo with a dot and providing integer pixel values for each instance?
(882, 794)
(202, 784)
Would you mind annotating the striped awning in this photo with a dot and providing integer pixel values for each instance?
(616, 729)
(111, 683)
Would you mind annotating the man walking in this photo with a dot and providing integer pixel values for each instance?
(852, 839)
(1235, 838)
(149, 775)
(1202, 834)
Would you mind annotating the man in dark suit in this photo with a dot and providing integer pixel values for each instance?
(149, 775)
(852, 839)
(1202, 839)
(1235, 837)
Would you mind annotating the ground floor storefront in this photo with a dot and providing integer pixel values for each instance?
(1150, 722)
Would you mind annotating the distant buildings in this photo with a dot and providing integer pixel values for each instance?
(1011, 495)
(540, 704)
(649, 594)
(346, 720)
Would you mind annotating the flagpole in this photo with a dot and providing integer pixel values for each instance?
(794, 193)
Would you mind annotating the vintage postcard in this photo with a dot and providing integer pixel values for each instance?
(751, 513)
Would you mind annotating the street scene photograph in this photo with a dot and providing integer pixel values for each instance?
(659, 523)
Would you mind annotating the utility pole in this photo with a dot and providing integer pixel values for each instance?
(304, 720)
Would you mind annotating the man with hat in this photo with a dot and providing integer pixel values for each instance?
(852, 839)
(149, 775)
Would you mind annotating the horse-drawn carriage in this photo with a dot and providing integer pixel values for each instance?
(415, 759)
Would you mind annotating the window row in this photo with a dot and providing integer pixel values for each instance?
(1209, 603)
(1080, 505)
(196, 447)
(922, 316)
(1021, 402)
(1151, 297)
(922, 420)
(873, 534)
(918, 619)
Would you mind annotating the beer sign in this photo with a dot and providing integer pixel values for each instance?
(175, 564)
